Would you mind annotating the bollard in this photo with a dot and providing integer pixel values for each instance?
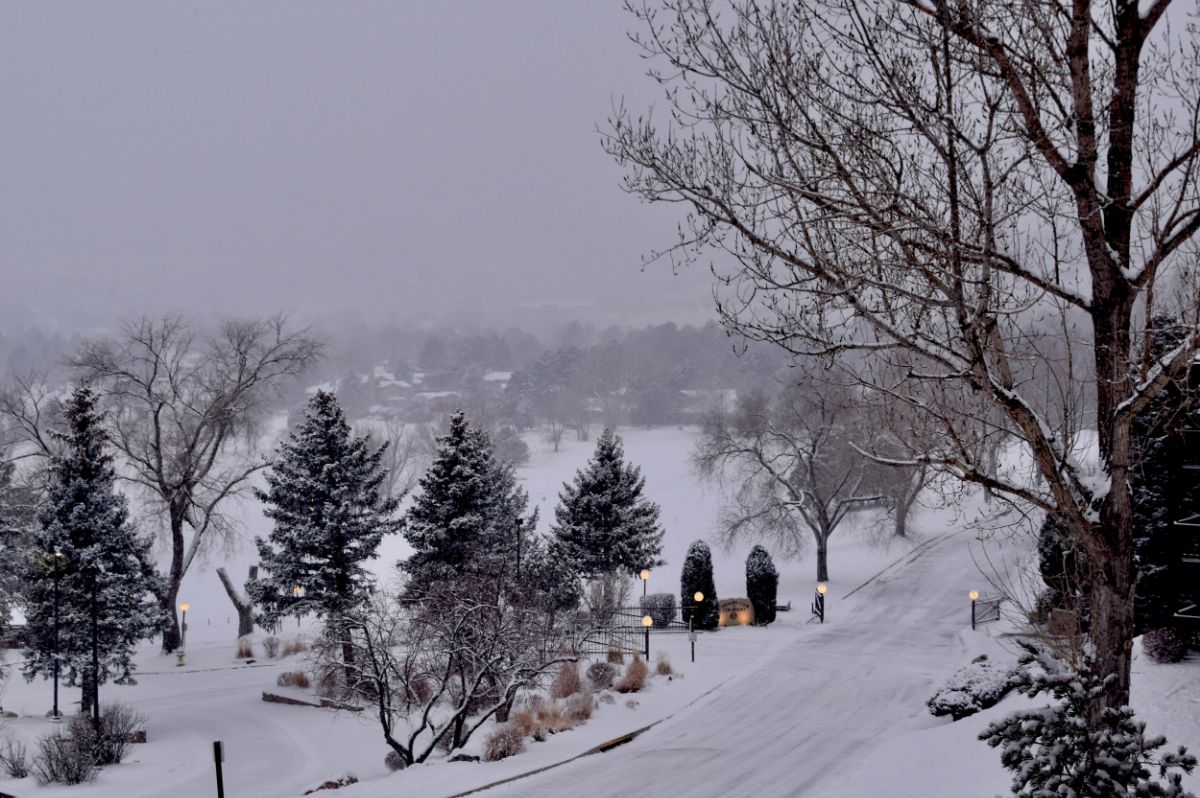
(218, 758)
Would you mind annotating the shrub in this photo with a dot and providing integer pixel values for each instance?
(244, 649)
(524, 720)
(600, 675)
(615, 656)
(270, 645)
(660, 607)
(567, 681)
(393, 761)
(63, 760)
(635, 677)
(762, 585)
(662, 665)
(1062, 750)
(118, 724)
(504, 742)
(296, 645)
(1165, 644)
(697, 576)
(14, 759)
(294, 679)
(972, 688)
(579, 708)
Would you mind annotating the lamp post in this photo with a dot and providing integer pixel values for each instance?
(645, 575)
(974, 596)
(297, 592)
(698, 597)
(183, 608)
(647, 622)
(819, 602)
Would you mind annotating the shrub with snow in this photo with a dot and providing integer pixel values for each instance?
(1165, 644)
(14, 759)
(507, 740)
(566, 682)
(293, 679)
(600, 675)
(1059, 750)
(393, 761)
(635, 677)
(660, 607)
(972, 688)
(63, 759)
(762, 584)
(662, 665)
(244, 648)
(270, 645)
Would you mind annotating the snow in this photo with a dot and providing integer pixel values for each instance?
(797, 708)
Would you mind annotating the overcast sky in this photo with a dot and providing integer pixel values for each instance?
(404, 160)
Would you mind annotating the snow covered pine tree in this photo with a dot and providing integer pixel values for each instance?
(697, 576)
(324, 495)
(762, 584)
(603, 521)
(91, 590)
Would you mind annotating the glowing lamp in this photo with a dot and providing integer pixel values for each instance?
(821, 588)
(184, 607)
(645, 574)
(973, 595)
(698, 597)
(647, 621)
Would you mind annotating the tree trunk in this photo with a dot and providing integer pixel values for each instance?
(823, 560)
(171, 635)
(243, 604)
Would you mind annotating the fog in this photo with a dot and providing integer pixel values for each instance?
(379, 161)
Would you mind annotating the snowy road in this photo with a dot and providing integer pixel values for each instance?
(808, 711)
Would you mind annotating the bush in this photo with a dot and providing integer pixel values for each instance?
(118, 724)
(600, 675)
(1165, 644)
(244, 649)
(567, 682)
(270, 646)
(294, 679)
(972, 688)
(63, 760)
(762, 585)
(525, 721)
(662, 665)
(1062, 750)
(615, 656)
(296, 645)
(697, 576)
(635, 677)
(579, 708)
(393, 761)
(505, 741)
(660, 607)
(14, 759)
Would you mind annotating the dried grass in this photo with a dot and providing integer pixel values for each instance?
(566, 682)
(635, 677)
(662, 664)
(507, 740)
(294, 679)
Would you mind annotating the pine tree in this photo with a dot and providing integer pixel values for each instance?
(1062, 750)
(468, 524)
(762, 584)
(325, 496)
(697, 576)
(602, 520)
(92, 591)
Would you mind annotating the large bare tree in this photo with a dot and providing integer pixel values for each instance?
(184, 406)
(923, 181)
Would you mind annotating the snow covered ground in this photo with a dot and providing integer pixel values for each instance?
(796, 709)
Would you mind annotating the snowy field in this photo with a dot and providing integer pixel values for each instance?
(795, 709)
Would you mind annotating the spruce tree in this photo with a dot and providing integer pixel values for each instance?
(330, 512)
(468, 526)
(762, 585)
(91, 589)
(603, 521)
(697, 576)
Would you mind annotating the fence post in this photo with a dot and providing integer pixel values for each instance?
(218, 758)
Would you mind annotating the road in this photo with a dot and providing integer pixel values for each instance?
(804, 712)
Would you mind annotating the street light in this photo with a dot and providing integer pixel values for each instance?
(974, 596)
(647, 622)
(645, 575)
(183, 608)
(297, 592)
(57, 557)
(698, 597)
(818, 608)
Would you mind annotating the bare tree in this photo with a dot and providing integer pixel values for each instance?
(184, 407)
(242, 603)
(926, 177)
(789, 467)
(409, 449)
(438, 669)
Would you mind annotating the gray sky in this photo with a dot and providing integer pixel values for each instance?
(413, 160)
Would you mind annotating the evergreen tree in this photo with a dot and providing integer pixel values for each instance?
(92, 592)
(1063, 750)
(325, 495)
(602, 520)
(1064, 569)
(697, 576)
(468, 524)
(762, 585)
